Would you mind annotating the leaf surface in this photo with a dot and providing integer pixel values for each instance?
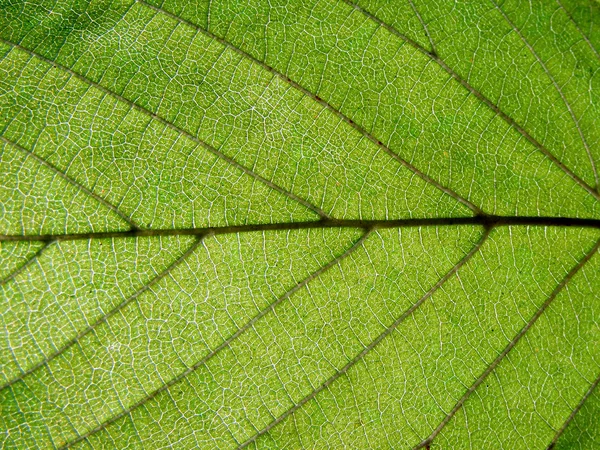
(299, 224)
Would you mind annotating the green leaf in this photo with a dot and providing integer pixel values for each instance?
(299, 224)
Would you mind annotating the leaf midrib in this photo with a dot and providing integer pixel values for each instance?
(433, 55)
(359, 128)
(488, 221)
(485, 220)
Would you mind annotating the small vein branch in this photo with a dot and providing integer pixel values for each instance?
(106, 316)
(326, 105)
(427, 442)
(72, 181)
(485, 221)
(22, 267)
(585, 38)
(564, 426)
(172, 126)
(369, 347)
(225, 343)
(509, 120)
(557, 87)
(424, 25)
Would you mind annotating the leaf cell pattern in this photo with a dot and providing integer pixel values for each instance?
(284, 224)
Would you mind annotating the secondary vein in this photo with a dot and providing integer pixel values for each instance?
(509, 120)
(369, 347)
(27, 263)
(585, 37)
(172, 126)
(225, 343)
(73, 182)
(556, 86)
(490, 368)
(576, 410)
(325, 104)
(64, 347)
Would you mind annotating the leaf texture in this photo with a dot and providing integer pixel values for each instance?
(285, 224)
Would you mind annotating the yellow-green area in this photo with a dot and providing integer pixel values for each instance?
(188, 200)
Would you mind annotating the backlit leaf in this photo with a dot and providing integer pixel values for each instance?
(299, 224)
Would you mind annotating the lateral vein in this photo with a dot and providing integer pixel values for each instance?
(21, 268)
(325, 104)
(509, 120)
(564, 426)
(369, 347)
(490, 368)
(225, 343)
(173, 127)
(557, 87)
(72, 181)
(585, 37)
(106, 316)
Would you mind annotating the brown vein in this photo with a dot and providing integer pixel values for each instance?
(133, 225)
(225, 343)
(72, 181)
(424, 25)
(102, 319)
(564, 426)
(319, 100)
(427, 442)
(369, 347)
(12, 275)
(558, 89)
(481, 97)
(172, 126)
(485, 221)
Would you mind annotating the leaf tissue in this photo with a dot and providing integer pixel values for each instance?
(299, 224)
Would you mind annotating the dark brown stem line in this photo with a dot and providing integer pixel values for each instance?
(556, 86)
(316, 98)
(481, 97)
(171, 126)
(564, 426)
(369, 347)
(485, 221)
(427, 442)
(22, 267)
(73, 182)
(225, 343)
(63, 348)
